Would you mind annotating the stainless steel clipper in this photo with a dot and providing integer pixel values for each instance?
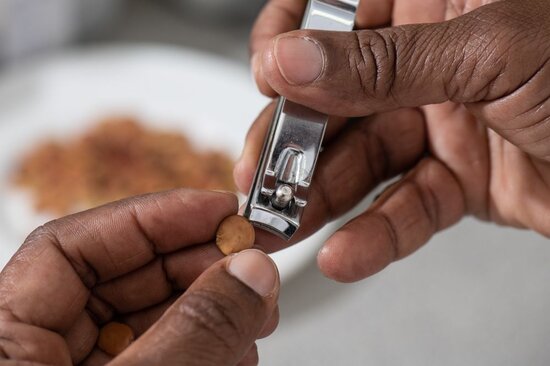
(280, 189)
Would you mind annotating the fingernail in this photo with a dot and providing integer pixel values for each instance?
(256, 270)
(300, 60)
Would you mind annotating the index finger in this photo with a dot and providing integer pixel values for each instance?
(118, 238)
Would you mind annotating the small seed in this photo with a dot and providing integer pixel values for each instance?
(235, 234)
(115, 338)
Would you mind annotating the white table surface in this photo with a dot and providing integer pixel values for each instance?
(475, 295)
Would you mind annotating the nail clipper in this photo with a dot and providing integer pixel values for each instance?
(280, 188)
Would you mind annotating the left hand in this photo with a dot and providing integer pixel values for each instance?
(140, 262)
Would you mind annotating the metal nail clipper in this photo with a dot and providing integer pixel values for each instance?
(280, 188)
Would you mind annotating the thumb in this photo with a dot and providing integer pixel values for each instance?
(479, 56)
(217, 320)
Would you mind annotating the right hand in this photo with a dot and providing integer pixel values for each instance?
(483, 150)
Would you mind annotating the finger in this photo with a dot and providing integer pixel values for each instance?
(100, 311)
(358, 73)
(125, 294)
(424, 11)
(96, 358)
(245, 168)
(174, 272)
(183, 267)
(252, 358)
(27, 343)
(77, 252)
(218, 318)
(374, 13)
(81, 337)
(404, 218)
(271, 324)
(522, 117)
(458, 138)
(142, 320)
(281, 16)
(194, 260)
(131, 232)
(431, 11)
(366, 153)
(277, 16)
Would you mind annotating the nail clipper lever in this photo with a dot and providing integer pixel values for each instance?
(280, 188)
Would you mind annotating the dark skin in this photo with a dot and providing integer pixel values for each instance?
(482, 151)
(148, 262)
(459, 105)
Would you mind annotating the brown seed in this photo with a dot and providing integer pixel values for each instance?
(235, 234)
(115, 338)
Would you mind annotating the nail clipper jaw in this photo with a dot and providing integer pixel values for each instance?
(279, 192)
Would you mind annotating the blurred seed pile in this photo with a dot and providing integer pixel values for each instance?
(116, 159)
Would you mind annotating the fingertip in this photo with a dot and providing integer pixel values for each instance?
(256, 270)
(228, 195)
(258, 75)
(266, 89)
(333, 263)
(348, 256)
(251, 358)
(245, 168)
(243, 174)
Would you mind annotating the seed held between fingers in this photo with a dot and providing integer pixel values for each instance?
(114, 338)
(235, 234)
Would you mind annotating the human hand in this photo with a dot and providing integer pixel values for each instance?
(483, 150)
(138, 261)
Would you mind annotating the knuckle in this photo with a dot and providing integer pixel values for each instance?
(53, 234)
(42, 232)
(415, 47)
(493, 43)
(372, 58)
(481, 55)
(533, 138)
(213, 315)
(19, 342)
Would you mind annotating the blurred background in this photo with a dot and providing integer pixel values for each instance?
(33, 27)
(474, 296)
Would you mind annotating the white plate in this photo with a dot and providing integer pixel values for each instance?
(211, 100)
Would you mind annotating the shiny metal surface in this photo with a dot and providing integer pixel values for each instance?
(331, 15)
(294, 141)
